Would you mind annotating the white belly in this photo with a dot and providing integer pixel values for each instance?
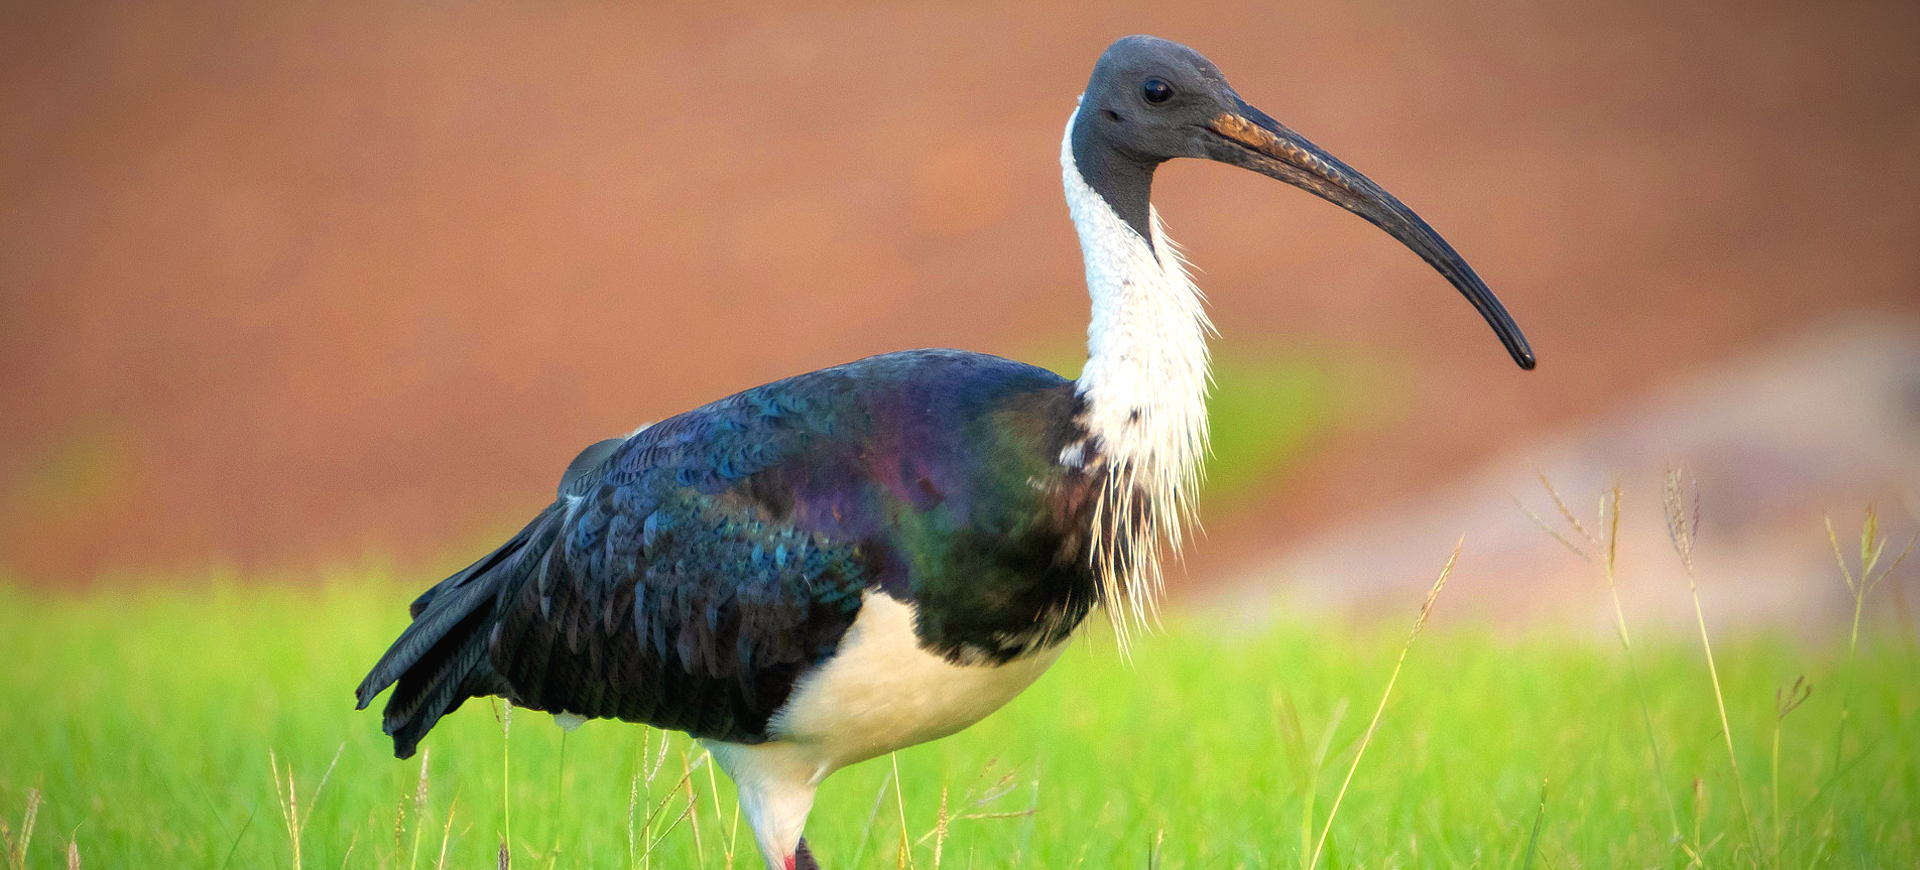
(882, 692)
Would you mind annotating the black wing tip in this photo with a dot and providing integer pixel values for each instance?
(370, 688)
(407, 733)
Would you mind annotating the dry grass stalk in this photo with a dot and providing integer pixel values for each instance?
(646, 768)
(684, 813)
(324, 776)
(693, 812)
(17, 851)
(1420, 622)
(446, 835)
(73, 854)
(1785, 701)
(1872, 547)
(633, 811)
(683, 786)
(506, 772)
(1565, 513)
(296, 820)
(1683, 527)
(974, 805)
(940, 829)
(733, 836)
(399, 826)
(1609, 547)
(905, 858)
(419, 812)
(1699, 813)
(288, 804)
(289, 799)
(713, 794)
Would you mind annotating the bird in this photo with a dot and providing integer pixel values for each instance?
(827, 568)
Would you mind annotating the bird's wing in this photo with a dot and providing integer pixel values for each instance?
(675, 592)
(692, 572)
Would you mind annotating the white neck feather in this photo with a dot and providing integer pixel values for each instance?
(1145, 387)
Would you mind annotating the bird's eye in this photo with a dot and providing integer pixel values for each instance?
(1156, 91)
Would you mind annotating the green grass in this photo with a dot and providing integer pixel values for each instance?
(147, 720)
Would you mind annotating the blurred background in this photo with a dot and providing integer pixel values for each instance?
(291, 287)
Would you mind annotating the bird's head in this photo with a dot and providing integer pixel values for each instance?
(1151, 100)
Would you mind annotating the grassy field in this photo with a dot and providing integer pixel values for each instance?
(140, 730)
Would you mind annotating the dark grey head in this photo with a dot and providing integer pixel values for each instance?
(1150, 101)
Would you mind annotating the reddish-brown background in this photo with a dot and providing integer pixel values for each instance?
(283, 284)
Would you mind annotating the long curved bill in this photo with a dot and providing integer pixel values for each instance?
(1248, 138)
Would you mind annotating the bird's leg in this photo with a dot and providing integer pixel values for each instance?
(776, 793)
(802, 858)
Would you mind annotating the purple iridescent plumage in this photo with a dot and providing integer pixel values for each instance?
(692, 573)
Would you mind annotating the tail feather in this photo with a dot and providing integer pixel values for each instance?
(430, 630)
(438, 684)
(441, 659)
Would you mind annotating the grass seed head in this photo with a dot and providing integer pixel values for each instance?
(17, 851)
(1789, 699)
(1433, 594)
(1682, 503)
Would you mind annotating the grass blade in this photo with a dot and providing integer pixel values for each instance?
(1420, 622)
(1533, 839)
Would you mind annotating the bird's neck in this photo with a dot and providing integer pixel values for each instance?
(1143, 390)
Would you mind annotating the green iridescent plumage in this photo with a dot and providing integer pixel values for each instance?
(692, 573)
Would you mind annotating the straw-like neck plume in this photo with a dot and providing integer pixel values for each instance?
(1144, 389)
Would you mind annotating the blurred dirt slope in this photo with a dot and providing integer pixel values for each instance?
(1779, 440)
(285, 282)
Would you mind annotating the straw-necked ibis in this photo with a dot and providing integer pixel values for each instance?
(823, 569)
